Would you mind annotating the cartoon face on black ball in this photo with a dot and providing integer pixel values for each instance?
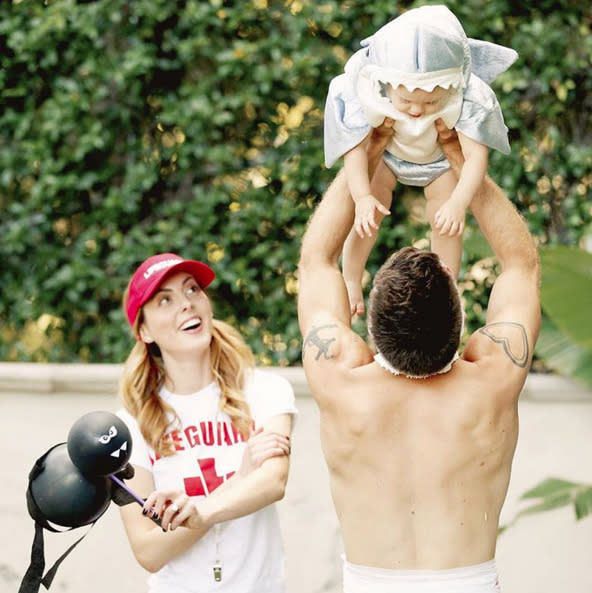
(99, 443)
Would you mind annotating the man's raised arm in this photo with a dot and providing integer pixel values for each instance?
(513, 312)
(321, 287)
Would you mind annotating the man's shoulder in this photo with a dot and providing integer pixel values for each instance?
(323, 339)
(332, 346)
(500, 342)
(502, 355)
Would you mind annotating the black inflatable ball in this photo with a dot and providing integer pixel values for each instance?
(99, 443)
(64, 495)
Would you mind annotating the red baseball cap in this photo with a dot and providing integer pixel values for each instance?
(148, 277)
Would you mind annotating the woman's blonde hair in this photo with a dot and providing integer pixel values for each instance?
(144, 374)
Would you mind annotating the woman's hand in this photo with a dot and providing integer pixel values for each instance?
(261, 446)
(174, 508)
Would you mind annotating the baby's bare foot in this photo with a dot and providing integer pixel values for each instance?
(356, 298)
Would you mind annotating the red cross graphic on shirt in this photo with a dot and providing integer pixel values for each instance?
(194, 486)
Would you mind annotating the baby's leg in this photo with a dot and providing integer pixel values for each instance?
(448, 248)
(356, 250)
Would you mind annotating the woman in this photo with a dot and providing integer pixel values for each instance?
(210, 440)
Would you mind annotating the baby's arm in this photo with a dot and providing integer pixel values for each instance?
(355, 163)
(450, 218)
(356, 170)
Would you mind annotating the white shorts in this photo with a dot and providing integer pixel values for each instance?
(479, 578)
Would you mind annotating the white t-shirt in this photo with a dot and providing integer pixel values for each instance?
(209, 451)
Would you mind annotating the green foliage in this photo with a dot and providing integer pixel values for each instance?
(554, 493)
(567, 277)
(195, 126)
(562, 355)
(565, 343)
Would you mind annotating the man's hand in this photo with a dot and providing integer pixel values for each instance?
(450, 144)
(378, 140)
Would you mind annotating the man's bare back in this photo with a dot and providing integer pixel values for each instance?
(419, 469)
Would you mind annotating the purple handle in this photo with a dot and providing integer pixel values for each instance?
(123, 485)
(137, 498)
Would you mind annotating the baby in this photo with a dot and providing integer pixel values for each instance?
(418, 68)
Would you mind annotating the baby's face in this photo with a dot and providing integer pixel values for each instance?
(417, 103)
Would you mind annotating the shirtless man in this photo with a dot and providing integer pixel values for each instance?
(419, 467)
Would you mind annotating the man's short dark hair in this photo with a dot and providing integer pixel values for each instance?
(415, 313)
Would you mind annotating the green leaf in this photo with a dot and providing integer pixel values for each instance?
(562, 355)
(566, 282)
(583, 502)
(550, 487)
(549, 503)
(554, 493)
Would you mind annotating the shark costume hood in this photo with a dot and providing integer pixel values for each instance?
(423, 48)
